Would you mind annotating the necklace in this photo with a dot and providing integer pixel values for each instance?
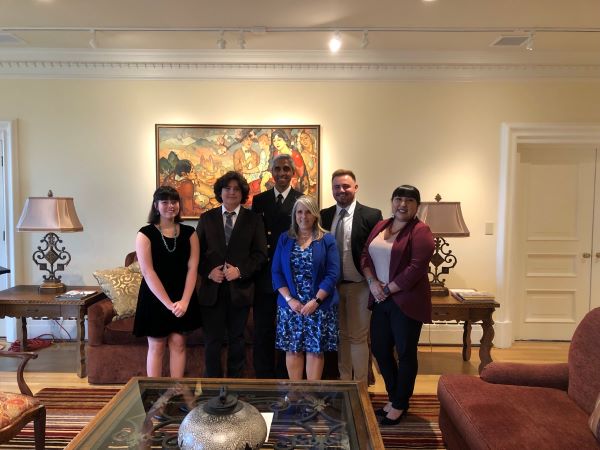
(174, 239)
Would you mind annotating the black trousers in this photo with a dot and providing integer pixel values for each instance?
(391, 328)
(268, 362)
(223, 321)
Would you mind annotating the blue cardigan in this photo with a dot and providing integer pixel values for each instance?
(325, 270)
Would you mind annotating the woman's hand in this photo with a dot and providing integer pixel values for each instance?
(295, 305)
(376, 288)
(179, 308)
(309, 308)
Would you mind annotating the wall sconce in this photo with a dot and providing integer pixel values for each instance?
(50, 214)
(336, 42)
(445, 220)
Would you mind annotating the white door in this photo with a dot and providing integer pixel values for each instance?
(556, 195)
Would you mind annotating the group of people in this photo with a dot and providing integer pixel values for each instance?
(317, 281)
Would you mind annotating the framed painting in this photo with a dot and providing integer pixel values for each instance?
(190, 158)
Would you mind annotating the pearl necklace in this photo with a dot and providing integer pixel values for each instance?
(164, 240)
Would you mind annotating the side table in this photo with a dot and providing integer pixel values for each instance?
(25, 301)
(449, 308)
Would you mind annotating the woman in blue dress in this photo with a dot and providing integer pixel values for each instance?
(306, 268)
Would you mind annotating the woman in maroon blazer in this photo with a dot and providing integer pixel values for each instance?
(395, 262)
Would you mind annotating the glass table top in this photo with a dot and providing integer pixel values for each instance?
(147, 412)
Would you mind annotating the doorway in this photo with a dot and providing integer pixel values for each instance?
(548, 247)
(555, 231)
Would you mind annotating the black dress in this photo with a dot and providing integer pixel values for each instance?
(152, 318)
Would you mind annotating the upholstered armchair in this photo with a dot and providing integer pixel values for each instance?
(526, 406)
(17, 410)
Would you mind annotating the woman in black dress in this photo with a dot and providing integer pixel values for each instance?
(167, 308)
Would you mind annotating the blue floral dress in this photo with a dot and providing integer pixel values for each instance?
(315, 333)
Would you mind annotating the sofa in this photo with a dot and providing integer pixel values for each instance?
(527, 406)
(114, 354)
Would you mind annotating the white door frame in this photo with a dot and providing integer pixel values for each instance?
(8, 130)
(511, 135)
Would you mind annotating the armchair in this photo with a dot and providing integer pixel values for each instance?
(17, 410)
(526, 406)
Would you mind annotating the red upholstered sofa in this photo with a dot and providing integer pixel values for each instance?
(526, 406)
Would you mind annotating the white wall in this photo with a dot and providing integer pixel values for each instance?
(94, 140)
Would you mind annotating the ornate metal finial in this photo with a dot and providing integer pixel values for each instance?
(50, 193)
(438, 197)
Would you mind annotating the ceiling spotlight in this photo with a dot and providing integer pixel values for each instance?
(242, 40)
(336, 42)
(529, 45)
(221, 42)
(365, 39)
(93, 43)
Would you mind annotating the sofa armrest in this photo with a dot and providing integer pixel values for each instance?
(100, 314)
(554, 375)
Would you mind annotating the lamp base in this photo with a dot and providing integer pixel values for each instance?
(439, 291)
(52, 287)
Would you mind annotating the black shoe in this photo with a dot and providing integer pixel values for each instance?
(380, 412)
(386, 421)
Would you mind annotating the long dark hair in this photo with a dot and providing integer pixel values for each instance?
(163, 193)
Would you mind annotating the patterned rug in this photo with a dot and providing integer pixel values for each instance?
(69, 410)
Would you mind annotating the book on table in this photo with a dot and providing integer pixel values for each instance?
(75, 295)
(471, 295)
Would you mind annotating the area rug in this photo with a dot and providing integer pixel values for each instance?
(69, 410)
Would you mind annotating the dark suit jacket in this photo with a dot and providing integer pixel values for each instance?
(363, 221)
(275, 222)
(247, 250)
(409, 265)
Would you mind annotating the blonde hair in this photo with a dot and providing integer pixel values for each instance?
(311, 204)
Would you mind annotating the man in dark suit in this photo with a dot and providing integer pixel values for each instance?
(275, 207)
(232, 251)
(351, 224)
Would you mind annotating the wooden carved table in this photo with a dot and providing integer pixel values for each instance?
(26, 301)
(448, 308)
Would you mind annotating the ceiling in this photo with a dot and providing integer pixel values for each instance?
(399, 31)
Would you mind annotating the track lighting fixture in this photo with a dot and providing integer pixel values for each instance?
(336, 42)
(221, 42)
(530, 44)
(242, 40)
(365, 39)
(93, 43)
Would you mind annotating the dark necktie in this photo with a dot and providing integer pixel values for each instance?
(228, 225)
(339, 239)
(279, 201)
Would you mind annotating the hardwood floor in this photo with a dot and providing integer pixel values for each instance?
(56, 365)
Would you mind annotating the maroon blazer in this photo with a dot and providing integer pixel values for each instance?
(409, 265)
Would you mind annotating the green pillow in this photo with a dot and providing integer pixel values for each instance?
(121, 285)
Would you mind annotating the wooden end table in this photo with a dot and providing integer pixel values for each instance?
(25, 301)
(449, 308)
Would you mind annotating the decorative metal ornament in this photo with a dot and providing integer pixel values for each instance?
(223, 423)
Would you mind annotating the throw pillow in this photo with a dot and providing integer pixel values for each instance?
(121, 285)
(595, 419)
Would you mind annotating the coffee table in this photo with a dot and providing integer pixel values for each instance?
(25, 301)
(147, 412)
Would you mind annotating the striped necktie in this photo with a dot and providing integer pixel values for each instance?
(228, 225)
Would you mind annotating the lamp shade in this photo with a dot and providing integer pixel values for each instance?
(444, 218)
(49, 214)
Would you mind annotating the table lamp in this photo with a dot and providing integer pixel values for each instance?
(50, 214)
(445, 220)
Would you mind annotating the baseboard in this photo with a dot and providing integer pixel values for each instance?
(452, 334)
(38, 327)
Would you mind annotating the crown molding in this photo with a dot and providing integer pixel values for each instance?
(298, 65)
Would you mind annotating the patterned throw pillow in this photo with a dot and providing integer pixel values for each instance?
(121, 285)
